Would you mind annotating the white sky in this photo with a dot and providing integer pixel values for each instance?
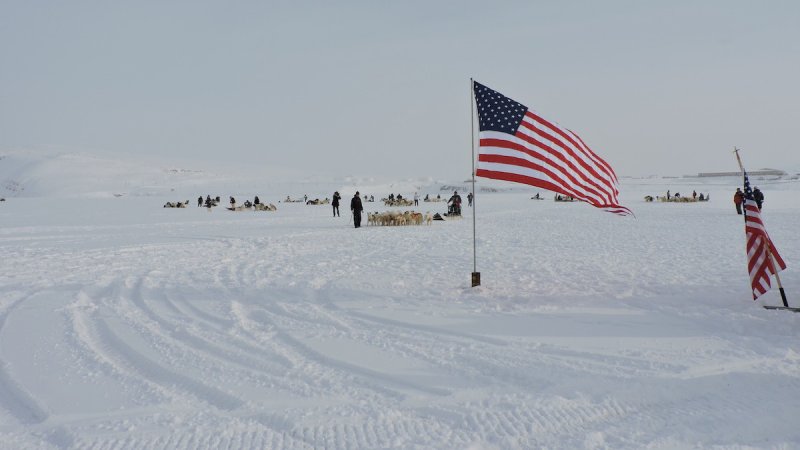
(378, 88)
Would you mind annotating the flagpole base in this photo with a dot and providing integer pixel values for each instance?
(476, 279)
(782, 308)
(783, 297)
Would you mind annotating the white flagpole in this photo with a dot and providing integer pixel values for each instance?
(476, 276)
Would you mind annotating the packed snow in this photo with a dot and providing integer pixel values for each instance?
(124, 324)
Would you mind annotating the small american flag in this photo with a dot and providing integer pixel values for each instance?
(759, 246)
(518, 145)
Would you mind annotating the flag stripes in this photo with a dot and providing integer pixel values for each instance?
(519, 145)
(763, 259)
(572, 145)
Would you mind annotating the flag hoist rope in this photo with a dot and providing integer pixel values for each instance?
(772, 264)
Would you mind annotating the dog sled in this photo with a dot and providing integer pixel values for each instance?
(563, 198)
(398, 202)
(662, 199)
(253, 207)
(397, 218)
(176, 204)
(453, 211)
(265, 207)
(783, 308)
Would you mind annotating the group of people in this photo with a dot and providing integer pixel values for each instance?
(247, 203)
(677, 197)
(393, 197)
(738, 199)
(695, 196)
(357, 207)
(209, 202)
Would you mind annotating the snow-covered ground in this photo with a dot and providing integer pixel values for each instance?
(127, 325)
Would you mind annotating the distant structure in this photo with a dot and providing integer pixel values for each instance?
(753, 173)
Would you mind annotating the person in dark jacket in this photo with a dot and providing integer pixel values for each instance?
(455, 204)
(356, 207)
(200, 201)
(335, 203)
(758, 196)
(738, 198)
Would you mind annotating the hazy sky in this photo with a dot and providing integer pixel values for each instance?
(382, 88)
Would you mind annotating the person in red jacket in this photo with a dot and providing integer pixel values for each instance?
(738, 199)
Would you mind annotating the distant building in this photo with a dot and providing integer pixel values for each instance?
(752, 173)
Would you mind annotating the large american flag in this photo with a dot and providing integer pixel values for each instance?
(759, 246)
(518, 145)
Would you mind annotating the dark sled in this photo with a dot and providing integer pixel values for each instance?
(787, 308)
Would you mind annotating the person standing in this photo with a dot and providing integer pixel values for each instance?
(335, 203)
(758, 196)
(356, 207)
(200, 201)
(738, 198)
(416, 199)
(469, 199)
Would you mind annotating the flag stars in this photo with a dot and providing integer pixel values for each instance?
(497, 112)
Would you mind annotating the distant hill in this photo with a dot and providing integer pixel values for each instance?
(34, 174)
(757, 172)
(83, 175)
